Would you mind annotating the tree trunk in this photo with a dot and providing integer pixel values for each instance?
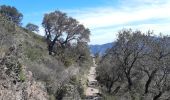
(149, 81)
(116, 90)
(51, 45)
(50, 49)
(110, 87)
(129, 83)
(128, 79)
(147, 85)
(157, 96)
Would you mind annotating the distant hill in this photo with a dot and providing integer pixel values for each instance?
(100, 48)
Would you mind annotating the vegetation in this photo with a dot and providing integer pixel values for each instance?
(54, 71)
(11, 13)
(66, 38)
(138, 65)
(32, 27)
(62, 30)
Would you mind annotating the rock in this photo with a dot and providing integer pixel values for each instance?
(11, 85)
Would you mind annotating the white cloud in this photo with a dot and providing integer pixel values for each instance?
(103, 17)
(106, 35)
(157, 28)
(141, 2)
(105, 21)
(41, 31)
(101, 36)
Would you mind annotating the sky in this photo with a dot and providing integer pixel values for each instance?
(104, 18)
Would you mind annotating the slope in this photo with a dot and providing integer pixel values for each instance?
(27, 71)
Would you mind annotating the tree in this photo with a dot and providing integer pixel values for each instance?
(11, 13)
(129, 49)
(140, 65)
(64, 30)
(155, 65)
(32, 27)
(82, 52)
(108, 74)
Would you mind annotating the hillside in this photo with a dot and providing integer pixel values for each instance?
(100, 48)
(28, 72)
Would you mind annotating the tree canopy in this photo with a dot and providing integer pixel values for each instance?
(11, 13)
(137, 63)
(63, 30)
(32, 27)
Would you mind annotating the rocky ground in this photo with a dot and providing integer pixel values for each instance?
(92, 88)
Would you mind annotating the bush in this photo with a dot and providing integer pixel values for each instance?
(8, 25)
(33, 54)
(22, 76)
(52, 97)
(32, 27)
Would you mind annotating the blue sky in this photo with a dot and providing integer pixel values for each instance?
(103, 17)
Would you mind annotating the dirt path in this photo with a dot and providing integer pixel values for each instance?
(92, 89)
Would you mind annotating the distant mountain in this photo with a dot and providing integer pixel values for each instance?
(100, 48)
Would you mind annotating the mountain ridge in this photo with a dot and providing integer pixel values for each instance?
(101, 49)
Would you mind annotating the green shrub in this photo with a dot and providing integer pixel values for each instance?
(22, 76)
(67, 61)
(52, 97)
(109, 97)
(33, 54)
(10, 26)
(80, 89)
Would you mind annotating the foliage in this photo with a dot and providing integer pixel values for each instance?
(32, 27)
(77, 82)
(60, 93)
(78, 54)
(137, 64)
(63, 30)
(22, 77)
(45, 68)
(11, 13)
(8, 25)
(33, 54)
(52, 97)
